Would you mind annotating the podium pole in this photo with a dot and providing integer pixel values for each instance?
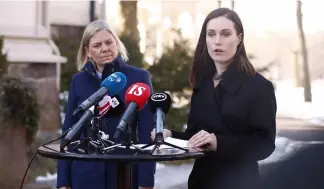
(124, 168)
(123, 175)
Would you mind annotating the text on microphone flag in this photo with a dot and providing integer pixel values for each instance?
(138, 93)
(106, 103)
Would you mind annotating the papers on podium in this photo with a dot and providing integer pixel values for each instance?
(177, 142)
(174, 141)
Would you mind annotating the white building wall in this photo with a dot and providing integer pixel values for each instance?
(75, 13)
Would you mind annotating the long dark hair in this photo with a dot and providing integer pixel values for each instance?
(201, 56)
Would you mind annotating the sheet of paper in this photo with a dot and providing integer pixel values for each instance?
(174, 141)
(177, 142)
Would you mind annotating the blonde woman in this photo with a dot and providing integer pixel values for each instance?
(101, 53)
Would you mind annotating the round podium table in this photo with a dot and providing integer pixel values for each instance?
(123, 157)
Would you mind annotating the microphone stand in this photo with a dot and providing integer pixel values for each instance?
(159, 139)
(93, 142)
(127, 142)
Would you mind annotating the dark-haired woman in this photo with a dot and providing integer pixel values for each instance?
(233, 108)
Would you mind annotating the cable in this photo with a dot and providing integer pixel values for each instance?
(34, 155)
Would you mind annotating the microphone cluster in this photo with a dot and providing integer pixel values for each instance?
(136, 97)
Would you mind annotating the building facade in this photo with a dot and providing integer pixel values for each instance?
(27, 28)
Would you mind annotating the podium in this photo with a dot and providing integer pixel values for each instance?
(123, 156)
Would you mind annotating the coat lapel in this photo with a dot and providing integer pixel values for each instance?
(208, 114)
(210, 98)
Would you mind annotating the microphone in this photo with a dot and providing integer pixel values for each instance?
(135, 99)
(77, 127)
(111, 106)
(106, 103)
(112, 85)
(160, 104)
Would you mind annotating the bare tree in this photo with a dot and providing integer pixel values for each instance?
(219, 3)
(297, 70)
(232, 4)
(129, 12)
(302, 40)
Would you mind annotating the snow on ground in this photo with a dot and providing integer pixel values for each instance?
(290, 101)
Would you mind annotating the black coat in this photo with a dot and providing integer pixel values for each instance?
(241, 112)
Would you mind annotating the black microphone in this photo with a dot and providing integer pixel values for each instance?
(75, 129)
(160, 104)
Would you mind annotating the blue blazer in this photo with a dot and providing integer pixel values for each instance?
(102, 175)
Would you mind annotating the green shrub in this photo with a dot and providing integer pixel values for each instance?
(19, 106)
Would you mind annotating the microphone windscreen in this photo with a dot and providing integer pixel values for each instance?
(160, 100)
(138, 93)
(115, 82)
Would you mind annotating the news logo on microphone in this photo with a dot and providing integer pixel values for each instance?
(159, 97)
(160, 101)
(114, 78)
(136, 97)
(106, 103)
(138, 93)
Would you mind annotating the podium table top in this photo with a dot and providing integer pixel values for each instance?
(121, 154)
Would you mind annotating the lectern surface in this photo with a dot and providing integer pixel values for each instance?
(121, 154)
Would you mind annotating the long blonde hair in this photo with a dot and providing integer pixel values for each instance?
(89, 31)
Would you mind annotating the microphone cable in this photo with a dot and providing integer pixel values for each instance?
(34, 155)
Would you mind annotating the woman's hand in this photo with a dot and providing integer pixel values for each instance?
(203, 140)
(166, 133)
